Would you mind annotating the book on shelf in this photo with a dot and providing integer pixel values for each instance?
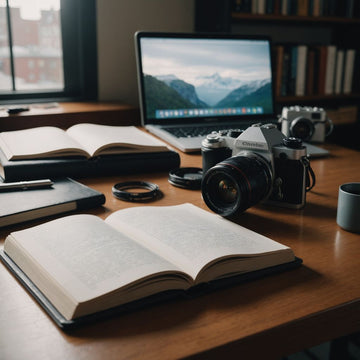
(314, 70)
(322, 69)
(87, 140)
(291, 87)
(63, 196)
(148, 251)
(301, 66)
(349, 64)
(82, 150)
(339, 72)
(326, 8)
(330, 69)
(303, 7)
(315, 8)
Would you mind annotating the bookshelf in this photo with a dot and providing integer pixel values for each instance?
(336, 25)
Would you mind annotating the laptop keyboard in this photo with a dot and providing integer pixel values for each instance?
(193, 131)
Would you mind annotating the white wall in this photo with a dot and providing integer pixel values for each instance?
(117, 21)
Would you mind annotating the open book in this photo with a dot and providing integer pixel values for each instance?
(83, 264)
(87, 140)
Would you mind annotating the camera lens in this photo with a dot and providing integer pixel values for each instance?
(302, 128)
(236, 183)
(226, 190)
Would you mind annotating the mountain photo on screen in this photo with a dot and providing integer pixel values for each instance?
(187, 75)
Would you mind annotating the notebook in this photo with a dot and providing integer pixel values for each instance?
(193, 84)
(63, 196)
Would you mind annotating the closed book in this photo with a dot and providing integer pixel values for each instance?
(315, 10)
(63, 196)
(261, 7)
(303, 7)
(293, 70)
(301, 70)
(355, 87)
(339, 72)
(330, 69)
(79, 167)
(322, 69)
(349, 62)
(349, 8)
(311, 71)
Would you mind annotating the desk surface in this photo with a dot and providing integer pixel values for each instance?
(273, 316)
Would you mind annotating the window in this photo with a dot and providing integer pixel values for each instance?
(47, 50)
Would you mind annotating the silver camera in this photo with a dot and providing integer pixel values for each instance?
(260, 164)
(309, 124)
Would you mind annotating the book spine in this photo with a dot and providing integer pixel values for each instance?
(32, 170)
(339, 72)
(315, 8)
(310, 72)
(322, 69)
(79, 168)
(303, 7)
(293, 70)
(261, 7)
(348, 70)
(330, 70)
(301, 70)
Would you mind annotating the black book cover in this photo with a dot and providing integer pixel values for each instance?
(79, 167)
(63, 196)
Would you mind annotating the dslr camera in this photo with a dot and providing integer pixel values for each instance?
(309, 124)
(260, 164)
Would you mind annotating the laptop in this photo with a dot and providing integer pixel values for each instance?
(193, 84)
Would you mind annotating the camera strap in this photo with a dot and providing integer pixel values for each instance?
(310, 178)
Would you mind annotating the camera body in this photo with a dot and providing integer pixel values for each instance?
(306, 123)
(259, 165)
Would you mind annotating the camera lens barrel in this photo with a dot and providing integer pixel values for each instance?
(302, 128)
(236, 184)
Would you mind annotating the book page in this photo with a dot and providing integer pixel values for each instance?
(84, 256)
(38, 142)
(104, 139)
(189, 236)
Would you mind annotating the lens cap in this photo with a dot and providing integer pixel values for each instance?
(186, 178)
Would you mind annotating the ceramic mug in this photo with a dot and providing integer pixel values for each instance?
(348, 210)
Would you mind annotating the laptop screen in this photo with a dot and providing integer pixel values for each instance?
(189, 76)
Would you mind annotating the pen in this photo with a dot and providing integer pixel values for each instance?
(25, 185)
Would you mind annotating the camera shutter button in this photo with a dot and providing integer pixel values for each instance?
(293, 143)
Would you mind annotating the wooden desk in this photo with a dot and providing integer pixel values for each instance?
(266, 318)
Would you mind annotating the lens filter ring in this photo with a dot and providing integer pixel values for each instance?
(121, 191)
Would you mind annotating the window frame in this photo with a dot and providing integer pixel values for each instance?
(79, 42)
